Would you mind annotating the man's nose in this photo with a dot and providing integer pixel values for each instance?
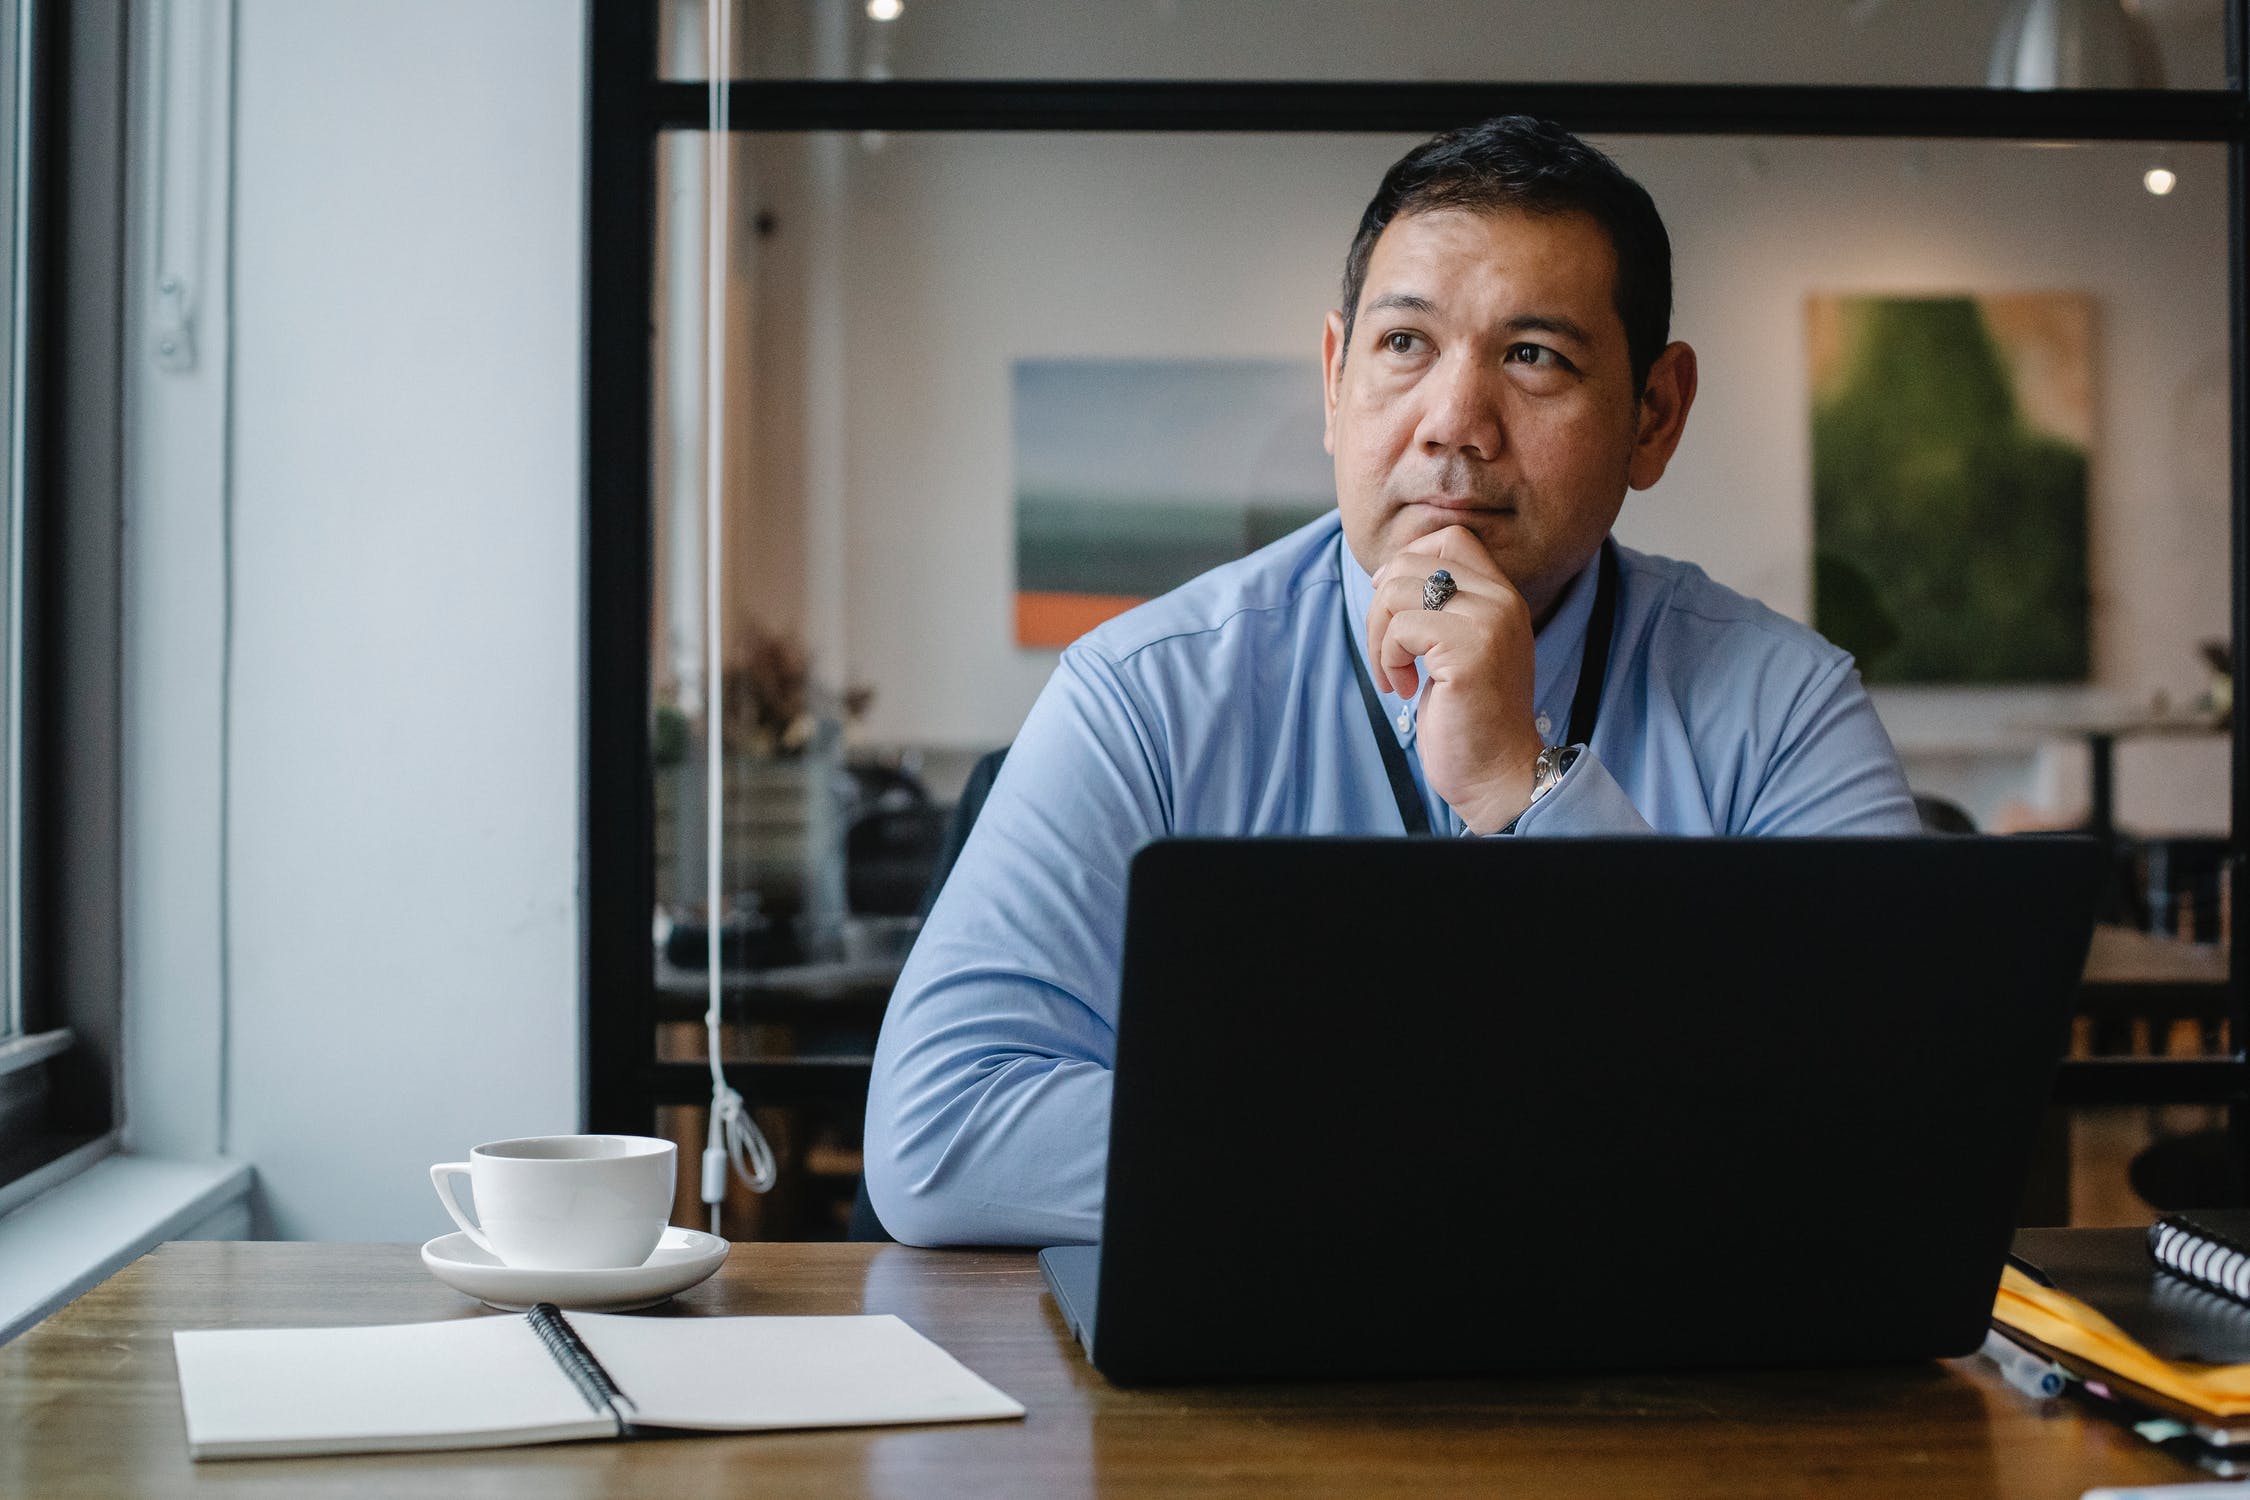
(1461, 410)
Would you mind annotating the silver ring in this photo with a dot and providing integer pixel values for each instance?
(1437, 589)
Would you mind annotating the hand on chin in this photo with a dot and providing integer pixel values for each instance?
(1419, 526)
(1476, 732)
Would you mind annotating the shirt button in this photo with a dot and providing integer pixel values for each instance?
(1405, 721)
(1544, 725)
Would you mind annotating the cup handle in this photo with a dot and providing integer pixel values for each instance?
(441, 1178)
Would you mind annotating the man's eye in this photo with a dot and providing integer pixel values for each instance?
(1401, 343)
(1533, 354)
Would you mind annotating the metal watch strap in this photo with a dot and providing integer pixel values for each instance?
(1546, 774)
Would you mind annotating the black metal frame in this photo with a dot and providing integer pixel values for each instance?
(618, 985)
(631, 106)
(1425, 108)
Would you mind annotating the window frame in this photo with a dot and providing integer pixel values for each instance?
(58, 1074)
(17, 145)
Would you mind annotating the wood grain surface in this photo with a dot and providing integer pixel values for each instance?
(90, 1406)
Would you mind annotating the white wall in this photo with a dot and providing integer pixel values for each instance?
(960, 254)
(402, 888)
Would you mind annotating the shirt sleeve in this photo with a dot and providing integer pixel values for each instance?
(988, 1109)
(1828, 769)
(1835, 772)
(1586, 803)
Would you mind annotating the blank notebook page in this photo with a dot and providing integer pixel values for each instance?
(467, 1382)
(745, 1373)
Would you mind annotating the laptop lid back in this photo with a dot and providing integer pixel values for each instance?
(1404, 1107)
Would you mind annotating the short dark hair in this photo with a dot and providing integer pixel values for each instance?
(1532, 166)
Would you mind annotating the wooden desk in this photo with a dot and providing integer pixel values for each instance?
(89, 1406)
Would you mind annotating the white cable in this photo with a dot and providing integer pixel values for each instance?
(734, 1136)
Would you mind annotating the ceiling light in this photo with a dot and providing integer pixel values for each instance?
(885, 10)
(2073, 44)
(2160, 180)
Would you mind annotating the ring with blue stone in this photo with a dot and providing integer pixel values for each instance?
(1437, 588)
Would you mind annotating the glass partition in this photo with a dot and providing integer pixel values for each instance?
(930, 337)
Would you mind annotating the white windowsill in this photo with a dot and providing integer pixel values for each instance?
(70, 1237)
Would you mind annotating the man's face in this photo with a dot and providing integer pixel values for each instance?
(1487, 385)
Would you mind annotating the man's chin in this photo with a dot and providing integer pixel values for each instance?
(1418, 523)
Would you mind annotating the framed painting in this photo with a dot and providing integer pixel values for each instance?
(1134, 475)
(1951, 439)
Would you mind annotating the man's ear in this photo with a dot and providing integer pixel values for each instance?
(1331, 375)
(1663, 416)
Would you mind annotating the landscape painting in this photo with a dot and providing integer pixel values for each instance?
(1134, 475)
(1951, 438)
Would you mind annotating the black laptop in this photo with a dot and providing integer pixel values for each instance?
(1402, 1107)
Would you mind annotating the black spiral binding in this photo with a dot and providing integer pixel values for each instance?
(578, 1362)
(2201, 1255)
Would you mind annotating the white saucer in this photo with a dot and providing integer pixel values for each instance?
(681, 1259)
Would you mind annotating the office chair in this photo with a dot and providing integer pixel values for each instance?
(865, 1226)
(1940, 816)
(889, 853)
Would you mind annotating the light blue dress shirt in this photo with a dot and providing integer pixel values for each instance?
(1229, 707)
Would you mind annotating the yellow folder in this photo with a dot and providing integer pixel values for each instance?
(2091, 1345)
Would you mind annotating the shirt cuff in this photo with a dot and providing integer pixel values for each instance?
(1586, 801)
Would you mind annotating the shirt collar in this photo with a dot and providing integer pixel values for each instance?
(1557, 649)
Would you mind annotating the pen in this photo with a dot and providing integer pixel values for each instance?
(2027, 1372)
(2030, 1269)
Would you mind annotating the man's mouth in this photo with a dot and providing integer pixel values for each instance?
(1462, 503)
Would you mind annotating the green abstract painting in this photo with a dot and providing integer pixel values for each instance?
(1950, 442)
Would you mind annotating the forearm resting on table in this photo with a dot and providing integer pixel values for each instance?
(992, 1149)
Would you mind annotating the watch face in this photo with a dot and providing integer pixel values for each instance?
(1549, 768)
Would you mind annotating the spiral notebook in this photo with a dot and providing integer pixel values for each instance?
(2210, 1247)
(547, 1377)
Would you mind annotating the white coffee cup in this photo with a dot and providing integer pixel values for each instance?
(565, 1202)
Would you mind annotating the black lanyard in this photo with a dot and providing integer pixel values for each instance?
(1593, 669)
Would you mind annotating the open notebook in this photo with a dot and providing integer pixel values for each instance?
(549, 1377)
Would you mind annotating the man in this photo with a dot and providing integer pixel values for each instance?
(1497, 377)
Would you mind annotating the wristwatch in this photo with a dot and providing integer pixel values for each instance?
(1546, 774)
(1548, 770)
